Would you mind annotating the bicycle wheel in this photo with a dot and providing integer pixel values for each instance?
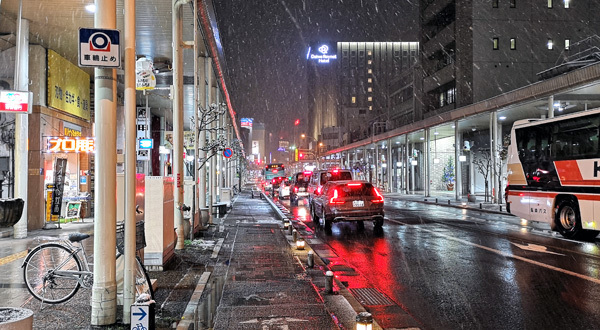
(142, 280)
(41, 279)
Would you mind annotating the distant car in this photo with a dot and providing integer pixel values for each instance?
(349, 200)
(299, 187)
(275, 182)
(284, 189)
(320, 177)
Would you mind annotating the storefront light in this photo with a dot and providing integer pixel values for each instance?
(414, 163)
(163, 150)
(462, 158)
(436, 160)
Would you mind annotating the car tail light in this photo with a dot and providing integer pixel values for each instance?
(307, 173)
(273, 181)
(336, 171)
(334, 199)
(295, 189)
(354, 184)
(379, 198)
(319, 190)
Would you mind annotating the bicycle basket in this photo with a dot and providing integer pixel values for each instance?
(140, 237)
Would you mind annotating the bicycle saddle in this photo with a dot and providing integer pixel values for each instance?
(76, 237)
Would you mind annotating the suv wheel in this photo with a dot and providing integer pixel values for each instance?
(326, 222)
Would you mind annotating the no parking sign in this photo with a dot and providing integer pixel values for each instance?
(227, 153)
(99, 48)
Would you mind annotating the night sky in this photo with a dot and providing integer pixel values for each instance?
(265, 44)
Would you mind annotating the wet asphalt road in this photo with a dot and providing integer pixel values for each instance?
(451, 269)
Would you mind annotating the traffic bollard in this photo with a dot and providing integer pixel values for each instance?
(294, 235)
(329, 282)
(480, 206)
(290, 228)
(311, 259)
(364, 321)
(436, 201)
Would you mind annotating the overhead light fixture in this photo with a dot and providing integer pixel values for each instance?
(502, 117)
(462, 158)
(436, 160)
(436, 133)
(421, 138)
(91, 8)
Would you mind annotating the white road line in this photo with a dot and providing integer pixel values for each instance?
(508, 255)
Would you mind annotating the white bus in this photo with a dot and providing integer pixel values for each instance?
(554, 173)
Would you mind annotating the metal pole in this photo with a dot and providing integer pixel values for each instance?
(21, 152)
(130, 160)
(178, 120)
(213, 164)
(457, 163)
(551, 106)
(202, 139)
(104, 290)
(390, 166)
(492, 176)
(426, 162)
(196, 128)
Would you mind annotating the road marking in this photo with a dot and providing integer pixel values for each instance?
(508, 255)
(535, 248)
(13, 257)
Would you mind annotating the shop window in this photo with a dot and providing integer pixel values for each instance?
(567, 44)
(513, 43)
(495, 43)
(494, 3)
(550, 44)
(567, 3)
(353, 99)
(549, 3)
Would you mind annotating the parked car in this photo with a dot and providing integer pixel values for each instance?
(349, 200)
(299, 187)
(284, 189)
(319, 178)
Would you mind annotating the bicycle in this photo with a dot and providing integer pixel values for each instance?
(53, 272)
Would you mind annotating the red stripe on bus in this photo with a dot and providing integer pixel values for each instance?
(568, 172)
(548, 194)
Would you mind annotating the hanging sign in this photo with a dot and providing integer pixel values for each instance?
(60, 167)
(99, 48)
(15, 102)
(144, 75)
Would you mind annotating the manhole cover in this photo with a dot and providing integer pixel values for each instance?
(371, 297)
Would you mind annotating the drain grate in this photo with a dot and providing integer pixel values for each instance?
(371, 297)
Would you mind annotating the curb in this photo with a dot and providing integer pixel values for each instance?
(190, 316)
(461, 207)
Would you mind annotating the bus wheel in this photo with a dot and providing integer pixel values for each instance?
(568, 220)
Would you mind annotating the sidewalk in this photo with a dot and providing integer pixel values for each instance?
(265, 281)
(451, 201)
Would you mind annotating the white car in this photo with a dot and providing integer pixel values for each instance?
(284, 190)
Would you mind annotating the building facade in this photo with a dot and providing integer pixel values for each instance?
(473, 50)
(348, 91)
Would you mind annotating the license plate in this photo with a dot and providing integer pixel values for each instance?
(358, 203)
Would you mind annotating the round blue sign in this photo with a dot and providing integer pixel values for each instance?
(227, 152)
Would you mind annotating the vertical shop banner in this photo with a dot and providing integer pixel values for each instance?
(60, 167)
(68, 87)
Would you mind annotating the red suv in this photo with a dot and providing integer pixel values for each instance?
(348, 201)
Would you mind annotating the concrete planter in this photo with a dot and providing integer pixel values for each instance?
(16, 318)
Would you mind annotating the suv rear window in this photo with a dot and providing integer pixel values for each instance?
(365, 189)
(330, 176)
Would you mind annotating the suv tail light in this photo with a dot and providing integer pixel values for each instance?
(295, 189)
(335, 198)
(378, 198)
(354, 184)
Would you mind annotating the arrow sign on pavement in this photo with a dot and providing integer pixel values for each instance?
(536, 248)
(142, 313)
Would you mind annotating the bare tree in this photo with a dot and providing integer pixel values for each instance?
(483, 163)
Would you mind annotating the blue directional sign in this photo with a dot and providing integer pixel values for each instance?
(145, 144)
(99, 48)
(139, 319)
(227, 152)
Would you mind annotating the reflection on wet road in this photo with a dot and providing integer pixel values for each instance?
(451, 268)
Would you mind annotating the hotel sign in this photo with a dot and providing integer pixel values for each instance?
(323, 55)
